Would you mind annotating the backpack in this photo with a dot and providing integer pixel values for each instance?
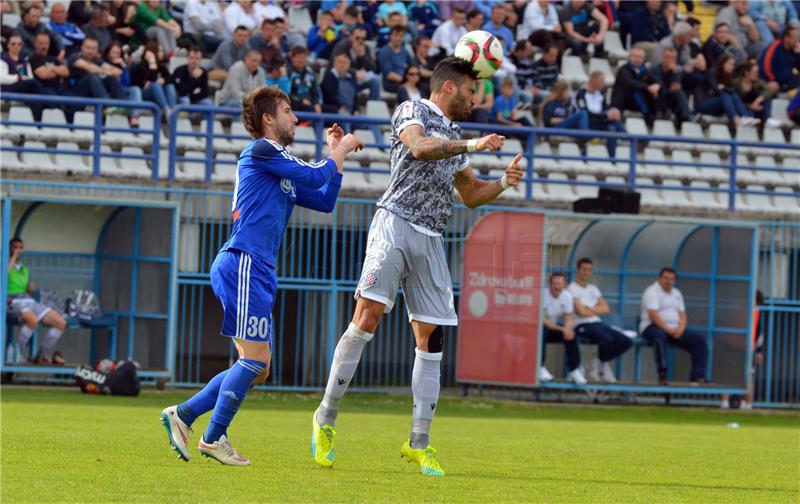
(121, 379)
(84, 305)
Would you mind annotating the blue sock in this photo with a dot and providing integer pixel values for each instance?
(201, 402)
(232, 391)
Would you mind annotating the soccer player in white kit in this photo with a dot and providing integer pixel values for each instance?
(406, 249)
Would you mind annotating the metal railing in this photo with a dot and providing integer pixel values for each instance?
(628, 163)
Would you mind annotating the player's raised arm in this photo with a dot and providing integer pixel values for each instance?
(475, 192)
(324, 198)
(430, 148)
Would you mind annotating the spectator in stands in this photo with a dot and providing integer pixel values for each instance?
(69, 35)
(647, 25)
(780, 62)
(268, 9)
(339, 89)
(393, 60)
(695, 45)
(285, 39)
(756, 94)
(229, 52)
(671, 97)
(47, 68)
(158, 25)
(322, 36)
(16, 75)
(267, 42)
(772, 17)
(558, 306)
(153, 77)
(635, 88)
(692, 69)
(278, 76)
(30, 26)
(350, 20)
(663, 320)
(447, 8)
(793, 109)
(385, 31)
(722, 96)
(540, 24)
(410, 90)
(191, 80)
(475, 20)
(389, 6)
(123, 12)
(522, 58)
(504, 107)
(448, 33)
(425, 62)
(721, 42)
(601, 117)
(425, 17)
(496, 27)
(557, 110)
(79, 12)
(744, 31)
(98, 27)
(305, 93)
(90, 76)
(243, 78)
(203, 18)
(583, 24)
(361, 61)
(114, 55)
(240, 13)
(482, 101)
(545, 73)
(29, 312)
(589, 306)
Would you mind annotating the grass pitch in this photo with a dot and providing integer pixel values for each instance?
(67, 447)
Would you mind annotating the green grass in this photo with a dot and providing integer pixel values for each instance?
(64, 446)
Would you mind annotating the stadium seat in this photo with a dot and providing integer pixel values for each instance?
(692, 130)
(572, 70)
(24, 114)
(795, 137)
(602, 65)
(559, 188)
(56, 116)
(586, 191)
(674, 197)
(653, 155)
(604, 166)
(544, 165)
(134, 167)
(613, 46)
(571, 149)
(122, 137)
(380, 110)
(221, 143)
(301, 147)
(712, 173)
(636, 126)
(718, 132)
(224, 168)
(38, 161)
(378, 177)
(299, 20)
(650, 195)
(748, 134)
(664, 128)
(189, 142)
(11, 20)
(192, 171)
(779, 106)
(146, 123)
(758, 176)
(704, 198)
(792, 175)
(84, 118)
(355, 180)
(785, 201)
(71, 163)
(757, 202)
(615, 180)
(10, 159)
(773, 135)
(683, 156)
(242, 137)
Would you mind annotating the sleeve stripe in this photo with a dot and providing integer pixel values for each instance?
(290, 157)
(406, 124)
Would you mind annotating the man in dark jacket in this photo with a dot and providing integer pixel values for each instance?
(671, 97)
(647, 23)
(780, 59)
(191, 80)
(30, 26)
(601, 117)
(339, 88)
(720, 43)
(362, 62)
(635, 88)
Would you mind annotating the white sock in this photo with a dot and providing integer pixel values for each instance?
(24, 336)
(425, 389)
(51, 338)
(345, 361)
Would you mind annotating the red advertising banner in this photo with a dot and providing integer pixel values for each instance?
(498, 337)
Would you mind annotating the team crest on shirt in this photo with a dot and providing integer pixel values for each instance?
(287, 186)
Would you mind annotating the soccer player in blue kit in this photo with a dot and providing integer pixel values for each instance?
(269, 182)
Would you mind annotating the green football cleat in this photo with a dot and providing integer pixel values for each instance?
(322, 443)
(425, 457)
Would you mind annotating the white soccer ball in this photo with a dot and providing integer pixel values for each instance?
(483, 50)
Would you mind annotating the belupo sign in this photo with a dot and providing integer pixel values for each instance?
(498, 338)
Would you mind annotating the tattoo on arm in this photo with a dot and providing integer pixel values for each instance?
(429, 148)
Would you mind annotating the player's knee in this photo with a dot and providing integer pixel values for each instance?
(436, 340)
(262, 376)
(368, 314)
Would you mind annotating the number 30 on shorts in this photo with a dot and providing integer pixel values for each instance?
(258, 326)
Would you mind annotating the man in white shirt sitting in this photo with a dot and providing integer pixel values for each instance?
(448, 33)
(663, 320)
(558, 306)
(589, 307)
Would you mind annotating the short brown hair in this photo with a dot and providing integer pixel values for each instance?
(263, 100)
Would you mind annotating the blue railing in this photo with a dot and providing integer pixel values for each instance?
(628, 164)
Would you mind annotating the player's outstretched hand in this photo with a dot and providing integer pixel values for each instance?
(351, 143)
(491, 142)
(514, 172)
(335, 134)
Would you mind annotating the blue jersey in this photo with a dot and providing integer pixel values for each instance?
(269, 181)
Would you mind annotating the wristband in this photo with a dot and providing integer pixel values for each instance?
(504, 182)
(472, 145)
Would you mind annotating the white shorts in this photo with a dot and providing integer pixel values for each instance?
(400, 256)
(21, 304)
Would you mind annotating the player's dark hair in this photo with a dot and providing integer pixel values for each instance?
(667, 269)
(458, 9)
(451, 69)
(787, 32)
(263, 100)
(557, 274)
(584, 260)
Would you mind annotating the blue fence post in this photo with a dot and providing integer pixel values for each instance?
(98, 128)
(155, 153)
(530, 168)
(632, 168)
(732, 179)
(173, 126)
(209, 145)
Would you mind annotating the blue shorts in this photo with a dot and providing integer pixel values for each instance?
(246, 288)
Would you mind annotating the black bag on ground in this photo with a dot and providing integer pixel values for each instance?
(122, 380)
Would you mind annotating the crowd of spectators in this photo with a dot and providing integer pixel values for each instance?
(358, 50)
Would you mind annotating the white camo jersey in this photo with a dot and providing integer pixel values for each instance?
(421, 192)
